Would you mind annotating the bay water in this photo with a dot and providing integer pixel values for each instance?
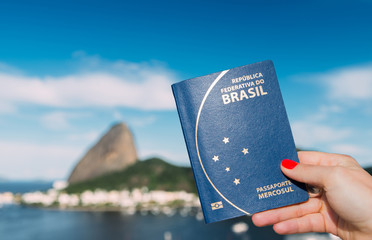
(19, 222)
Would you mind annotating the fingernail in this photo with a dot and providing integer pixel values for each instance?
(289, 164)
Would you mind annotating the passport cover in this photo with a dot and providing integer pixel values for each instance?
(237, 133)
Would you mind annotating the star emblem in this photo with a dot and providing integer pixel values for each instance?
(215, 158)
(245, 151)
(225, 140)
(237, 181)
(227, 169)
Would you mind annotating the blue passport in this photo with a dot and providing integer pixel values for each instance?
(237, 133)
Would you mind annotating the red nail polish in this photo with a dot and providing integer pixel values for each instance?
(289, 164)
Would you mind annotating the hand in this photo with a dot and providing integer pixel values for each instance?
(343, 208)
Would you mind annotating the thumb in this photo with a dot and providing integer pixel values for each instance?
(311, 174)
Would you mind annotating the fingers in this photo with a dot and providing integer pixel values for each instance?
(274, 216)
(315, 158)
(326, 159)
(311, 174)
(314, 191)
(309, 223)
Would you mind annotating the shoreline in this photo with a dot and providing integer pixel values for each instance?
(127, 202)
(104, 209)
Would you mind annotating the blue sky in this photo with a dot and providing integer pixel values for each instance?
(70, 69)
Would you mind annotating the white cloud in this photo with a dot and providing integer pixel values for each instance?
(135, 121)
(316, 136)
(59, 120)
(118, 116)
(143, 121)
(7, 108)
(324, 112)
(110, 84)
(340, 122)
(350, 149)
(5, 68)
(310, 134)
(361, 153)
(25, 160)
(89, 137)
(55, 120)
(349, 83)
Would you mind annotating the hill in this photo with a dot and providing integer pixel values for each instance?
(114, 151)
(154, 173)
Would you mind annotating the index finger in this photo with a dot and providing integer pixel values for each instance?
(324, 159)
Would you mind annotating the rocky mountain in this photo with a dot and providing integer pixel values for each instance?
(113, 152)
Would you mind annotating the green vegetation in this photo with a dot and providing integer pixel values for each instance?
(154, 173)
(369, 170)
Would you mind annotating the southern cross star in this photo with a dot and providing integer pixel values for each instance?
(237, 181)
(215, 158)
(245, 151)
(225, 140)
(227, 169)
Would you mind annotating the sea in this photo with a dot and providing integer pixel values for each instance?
(23, 223)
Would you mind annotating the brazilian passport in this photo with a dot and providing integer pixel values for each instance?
(237, 133)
